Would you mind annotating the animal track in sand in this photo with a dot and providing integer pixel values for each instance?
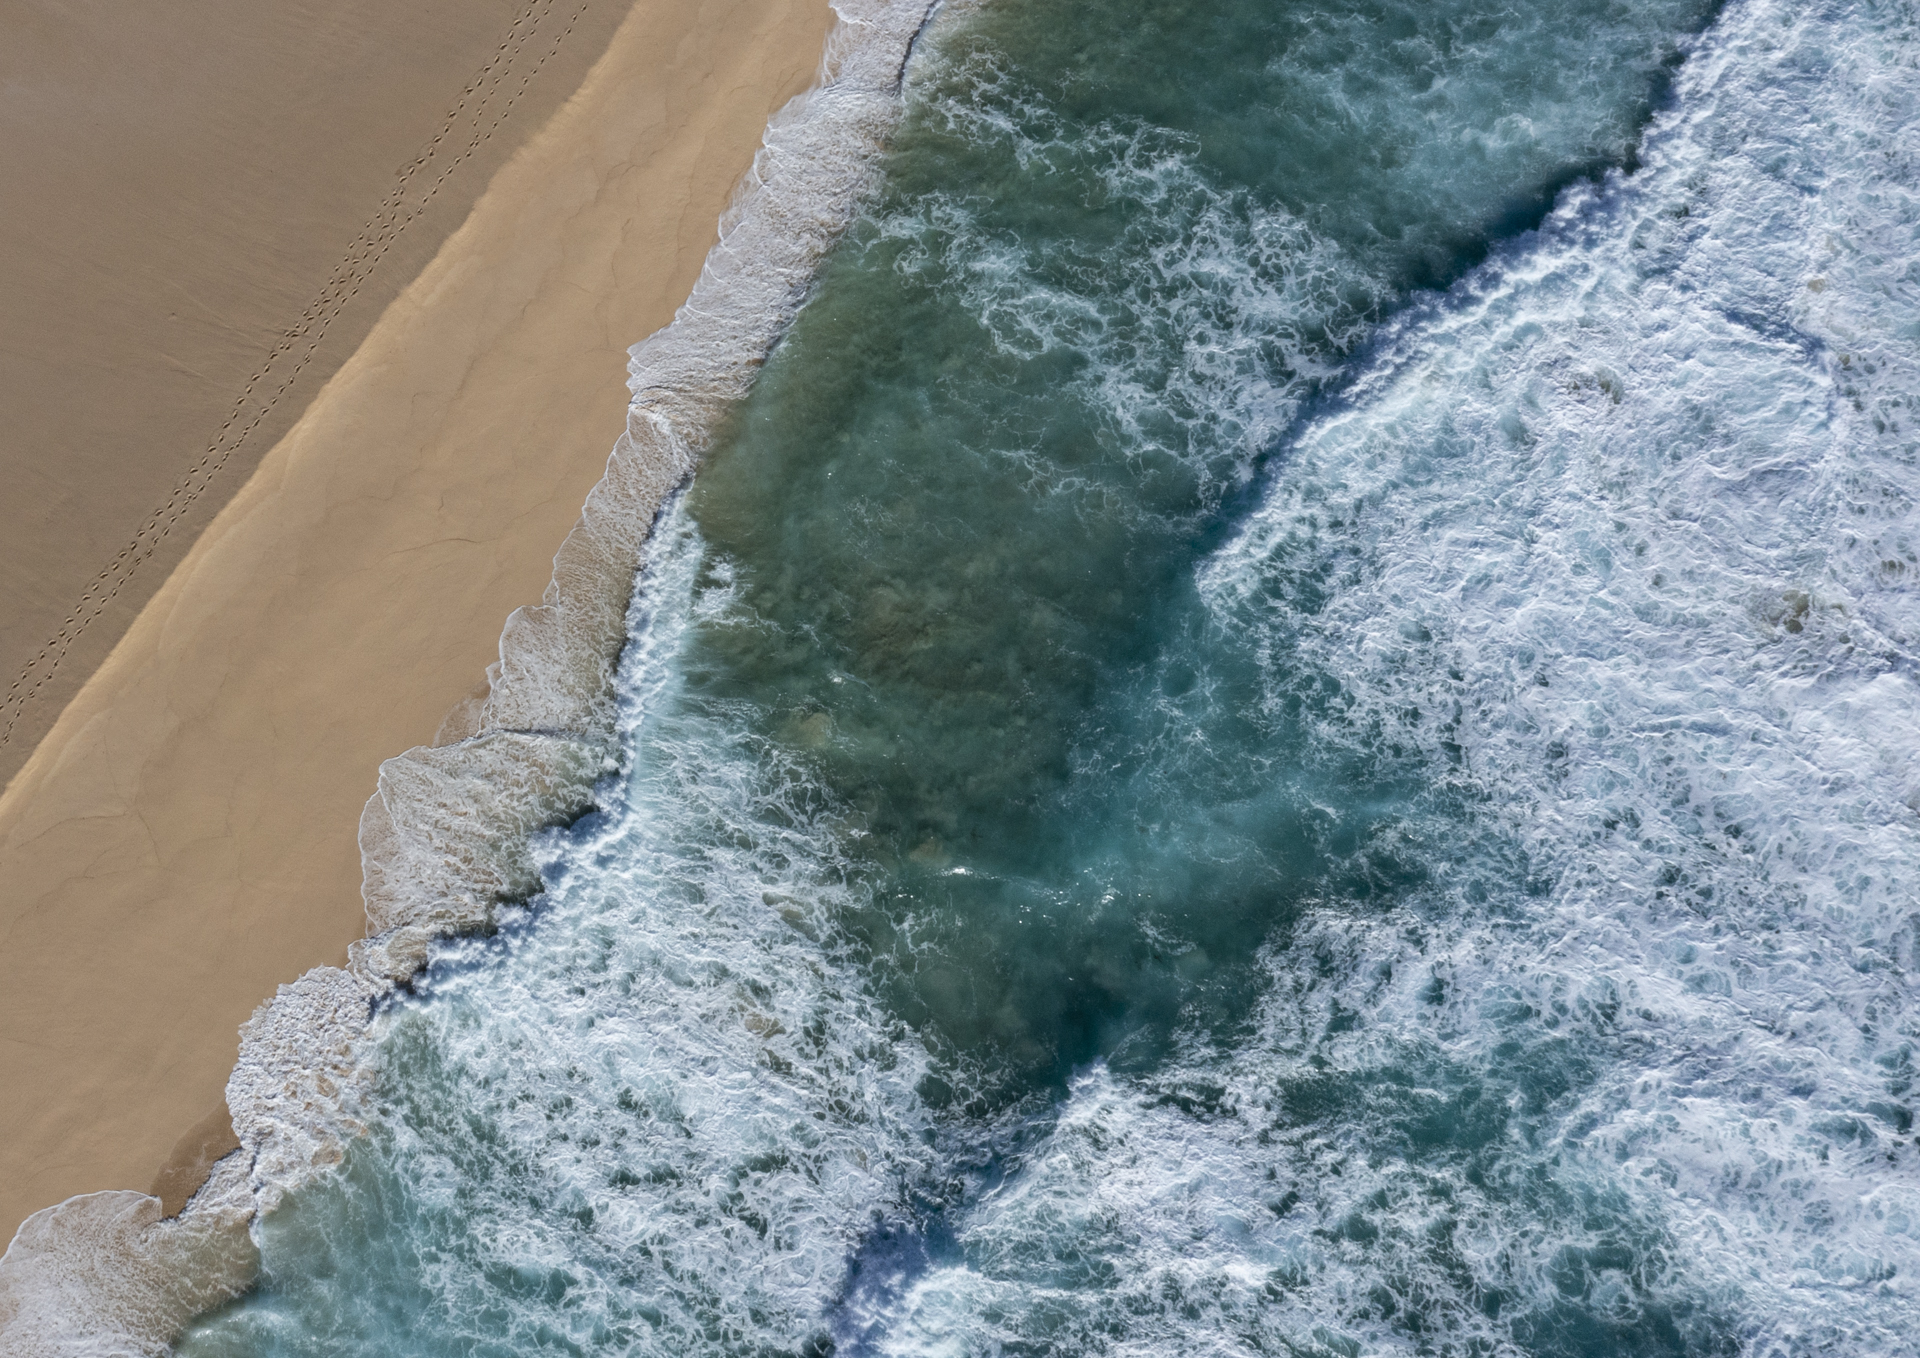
(356, 268)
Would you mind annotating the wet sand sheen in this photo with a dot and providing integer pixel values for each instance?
(184, 838)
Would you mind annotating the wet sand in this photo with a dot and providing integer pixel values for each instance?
(183, 839)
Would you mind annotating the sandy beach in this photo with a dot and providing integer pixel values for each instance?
(207, 206)
(182, 839)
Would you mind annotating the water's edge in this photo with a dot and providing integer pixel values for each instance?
(444, 839)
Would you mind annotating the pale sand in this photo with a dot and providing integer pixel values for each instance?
(203, 208)
(184, 838)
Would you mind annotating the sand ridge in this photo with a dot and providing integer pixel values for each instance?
(183, 839)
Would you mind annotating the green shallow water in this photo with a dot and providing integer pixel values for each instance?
(1113, 259)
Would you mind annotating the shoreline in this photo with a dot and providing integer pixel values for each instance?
(189, 825)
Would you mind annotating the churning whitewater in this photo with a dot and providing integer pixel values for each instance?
(1285, 724)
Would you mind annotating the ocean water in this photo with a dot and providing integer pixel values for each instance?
(1286, 724)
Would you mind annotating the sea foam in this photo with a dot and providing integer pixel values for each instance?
(654, 1113)
(1623, 529)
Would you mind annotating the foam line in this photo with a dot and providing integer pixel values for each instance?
(444, 840)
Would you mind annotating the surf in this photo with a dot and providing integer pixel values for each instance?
(1246, 742)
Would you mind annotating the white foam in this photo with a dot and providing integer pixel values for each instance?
(667, 1099)
(1625, 531)
(102, 1276)
(552, 687)
(1200, 332)
(446, 838)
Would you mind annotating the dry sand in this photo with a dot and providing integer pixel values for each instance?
(184, 838)
(203, 208)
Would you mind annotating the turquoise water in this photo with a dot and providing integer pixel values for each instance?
(1284, 726)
